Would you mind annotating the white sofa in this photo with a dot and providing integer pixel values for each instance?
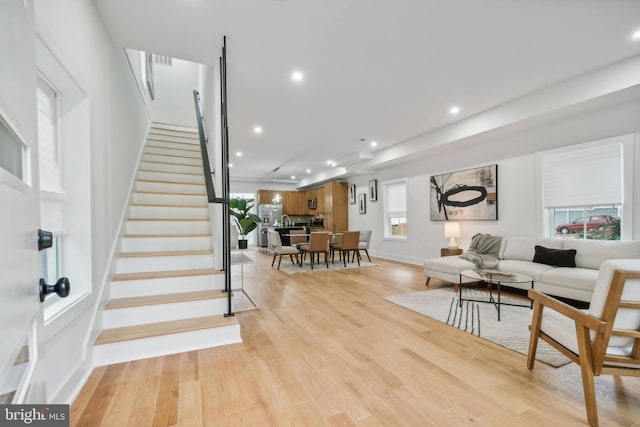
(516, 255)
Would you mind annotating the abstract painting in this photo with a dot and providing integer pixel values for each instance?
(470, 194)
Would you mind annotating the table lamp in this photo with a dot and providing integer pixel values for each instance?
(452, 230)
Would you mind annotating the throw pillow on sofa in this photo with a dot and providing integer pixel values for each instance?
(556, 257)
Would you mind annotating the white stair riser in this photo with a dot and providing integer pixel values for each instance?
(166, 143)
(174, 134)
(163, 263)
(170, 199)
(162, 312)
(168, 212)
(163, 187)
(163, 176)
(166, 285)
(118, 352)
(16, 374)
(171, 168)
(177, 151)
(168, 227)
(150, 244)
(172, 160)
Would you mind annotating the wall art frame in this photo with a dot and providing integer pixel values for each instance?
(373, 190)
(362, 203)
(465, 195)
(352, 194)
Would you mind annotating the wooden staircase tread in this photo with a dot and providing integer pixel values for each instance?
(172, 148)
(194, 131)
(149, 330)
(172, 172)
(158, 181)
(117, 303)
(137, 236)
(166, 219)
(164, 274)
(163, 253)
(168, 205)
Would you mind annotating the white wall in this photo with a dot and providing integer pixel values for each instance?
(118, 124)
(518, 210)
(174, 85)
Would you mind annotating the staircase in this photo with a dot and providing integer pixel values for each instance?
(166, 296)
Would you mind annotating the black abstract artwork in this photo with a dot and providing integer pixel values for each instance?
(470, 194)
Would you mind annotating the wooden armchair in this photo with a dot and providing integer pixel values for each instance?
(603, 340)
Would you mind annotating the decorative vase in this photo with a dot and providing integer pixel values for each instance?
(242, 243)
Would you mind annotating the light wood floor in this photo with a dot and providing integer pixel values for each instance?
(326, 350)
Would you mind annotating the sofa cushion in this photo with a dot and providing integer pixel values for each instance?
(577, 278)
(448, 265)
(527, 268)
(523, 248)
(591, 253)
(557, 257)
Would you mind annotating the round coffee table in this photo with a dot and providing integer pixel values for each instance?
(494, 278)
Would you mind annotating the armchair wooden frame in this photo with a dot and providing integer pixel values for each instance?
(593, 336)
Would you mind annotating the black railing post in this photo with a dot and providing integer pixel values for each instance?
(208, 175)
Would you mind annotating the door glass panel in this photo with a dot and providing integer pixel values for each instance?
(12, 151)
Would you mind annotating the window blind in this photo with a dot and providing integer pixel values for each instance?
(396, 201)
(51, 205)
(590, 176)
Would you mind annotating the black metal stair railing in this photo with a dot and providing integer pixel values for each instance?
(223, 198)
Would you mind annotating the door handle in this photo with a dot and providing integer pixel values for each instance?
(45, 239)
(62, 288)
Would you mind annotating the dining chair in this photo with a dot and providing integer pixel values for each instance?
(318, 244)
(349, 244)
(605, 339)
(298, 238)
(365, 240)
(279, 250)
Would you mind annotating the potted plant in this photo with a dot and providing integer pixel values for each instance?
(246, 221)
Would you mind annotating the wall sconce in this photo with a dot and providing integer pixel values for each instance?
(452, 230)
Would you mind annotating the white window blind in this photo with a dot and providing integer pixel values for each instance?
(51, 201)
(590, 176)
(47, 141)
(396, 200)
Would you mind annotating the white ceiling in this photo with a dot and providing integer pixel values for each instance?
(384, 70)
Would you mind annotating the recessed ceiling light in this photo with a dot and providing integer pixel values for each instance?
(636, 35)
(373, 143)
(230, 165)
(293, 177)
(454, 110)
(257, 129)
(297, 76)
(329, 162)
(238, 153)
(308, 170)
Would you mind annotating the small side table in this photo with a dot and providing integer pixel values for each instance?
(450, 252)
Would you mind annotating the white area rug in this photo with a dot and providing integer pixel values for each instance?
(291, 268)
(481, 319)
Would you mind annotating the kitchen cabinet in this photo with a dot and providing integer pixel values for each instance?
(265, 197)
(336, 212)
(291, 203)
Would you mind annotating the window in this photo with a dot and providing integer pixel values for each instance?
(395, 209)
(583, 189)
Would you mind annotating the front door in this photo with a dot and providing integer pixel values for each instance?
(20, 311)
